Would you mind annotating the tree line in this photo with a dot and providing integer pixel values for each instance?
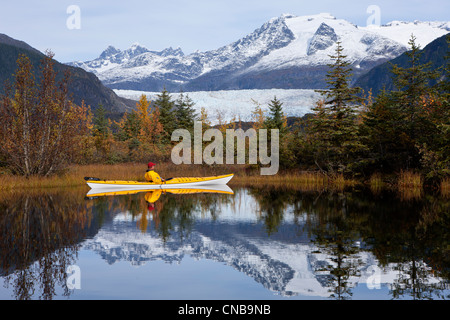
(349, 132)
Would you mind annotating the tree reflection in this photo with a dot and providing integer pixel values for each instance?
(39, 234)
(272, 204)
(170, 211)
(410, 236)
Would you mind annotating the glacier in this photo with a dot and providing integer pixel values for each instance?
(238, 105)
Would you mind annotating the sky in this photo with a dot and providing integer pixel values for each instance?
(82, 29)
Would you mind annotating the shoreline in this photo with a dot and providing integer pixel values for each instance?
(245, 176)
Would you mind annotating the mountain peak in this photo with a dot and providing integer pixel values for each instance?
(171, 52)
(108, 52)
(323, 38)
(273, 55)
(136, 45)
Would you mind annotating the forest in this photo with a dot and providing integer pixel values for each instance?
(402, 133)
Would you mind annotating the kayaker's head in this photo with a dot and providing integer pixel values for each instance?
(151, 166)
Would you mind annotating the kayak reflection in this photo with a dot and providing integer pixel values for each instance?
(155, 193)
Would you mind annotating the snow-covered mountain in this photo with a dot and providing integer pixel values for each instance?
(286, 52)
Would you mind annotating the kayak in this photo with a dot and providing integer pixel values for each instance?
(173, 183)
(222, 189)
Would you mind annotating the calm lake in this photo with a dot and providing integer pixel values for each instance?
(248, 244)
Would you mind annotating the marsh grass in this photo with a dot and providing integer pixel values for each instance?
(376, 183)
(445, 187)
(298, 180)
(244, 176)
(410, 185)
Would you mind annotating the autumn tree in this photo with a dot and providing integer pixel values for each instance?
(41, 127)
(151, 128)
(257, 116)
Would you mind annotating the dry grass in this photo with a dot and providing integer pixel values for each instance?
(408, 179)
(74, 176)
(410, 185)
(244, 176)
(445, 187)
(304, 180)
(376, 183)
(299, 180)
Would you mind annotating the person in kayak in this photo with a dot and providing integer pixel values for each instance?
(151, 175)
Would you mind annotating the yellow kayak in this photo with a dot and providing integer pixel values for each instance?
(174, 183)
(223, 189)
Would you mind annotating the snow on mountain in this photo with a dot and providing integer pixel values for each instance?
(111, 58)
(285, 52)
(401, 31)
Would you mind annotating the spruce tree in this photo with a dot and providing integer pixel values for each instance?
(412, 86)
(276, 118)
(402, 125)
(382, 133)
(185, 112)
(435, 153)
(101, 130)
(335, 126)
(167, 115)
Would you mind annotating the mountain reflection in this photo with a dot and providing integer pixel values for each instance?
(292, 242)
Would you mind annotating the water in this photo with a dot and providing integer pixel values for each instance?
(252, 244)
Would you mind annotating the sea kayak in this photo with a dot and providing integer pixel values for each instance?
(221, 189)
(174, 183)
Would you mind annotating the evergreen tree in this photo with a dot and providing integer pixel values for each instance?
(167, 115)
(404, 126)
(335, 127)
(101, 130)
(412, 86)
(382, 133)
(276, 118)
(129, 129)
(435, 152)
(185, 112)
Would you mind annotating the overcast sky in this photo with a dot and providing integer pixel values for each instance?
(190, 24)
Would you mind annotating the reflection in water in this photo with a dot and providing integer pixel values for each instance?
(40, 236)
(293, 243)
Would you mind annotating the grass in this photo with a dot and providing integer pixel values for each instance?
(292, 180)
(74, 176)
(408, 184)
(445, 187)
(376, 183)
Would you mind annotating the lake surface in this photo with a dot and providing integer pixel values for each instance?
(251, 244)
